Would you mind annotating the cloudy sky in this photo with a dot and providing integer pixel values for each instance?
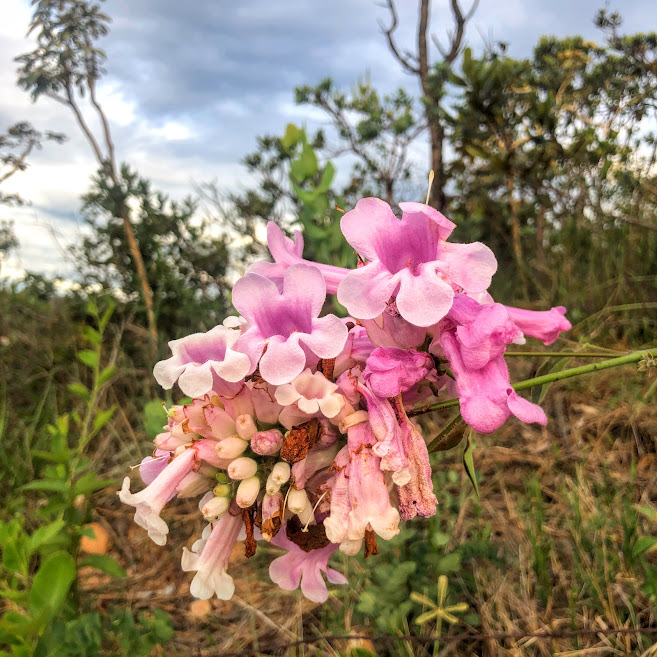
(191, 84)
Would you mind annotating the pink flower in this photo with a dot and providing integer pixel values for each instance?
(542, 324)
(312, 393)
(287, 253)
(486, 397)
(149, 502)
(483, 331)
(360, 498)
(209, 558)
(391, 371)
(283, 322)
(410, 260)
(302, 567)
(200, 356)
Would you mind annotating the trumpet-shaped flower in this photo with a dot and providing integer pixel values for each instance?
(149, 502)
(197, 358)
(209, 558)
(486, 397)
(542, 324)
(305, 568)
(359, 497)
(411, 260)
(286, 323)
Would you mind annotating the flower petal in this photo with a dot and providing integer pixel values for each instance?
(365, 291)
(305, 284)
(251, 293)
(328, 336)
(283, 360)
(425, 299)
(469, 265)
(367, 226)
(524, 410)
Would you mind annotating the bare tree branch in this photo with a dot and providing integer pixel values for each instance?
(406, 59)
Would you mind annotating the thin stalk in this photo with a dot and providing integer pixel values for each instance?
(633, 357)
(650, 391)
(559, 354)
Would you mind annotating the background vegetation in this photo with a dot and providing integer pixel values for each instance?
(550, 160)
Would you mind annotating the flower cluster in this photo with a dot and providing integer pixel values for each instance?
(299, 432)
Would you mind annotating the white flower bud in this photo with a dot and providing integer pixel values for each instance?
(215, 508)
(271, 486)
(247, 492)
(246, 427)
(297, 500)
(280, 473)
(242, 468)
(231, 448)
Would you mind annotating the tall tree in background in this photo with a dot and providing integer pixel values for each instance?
(66, 66)
(433, 78)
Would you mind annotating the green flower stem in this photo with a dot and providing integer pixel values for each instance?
(559, 354)
(633, 357)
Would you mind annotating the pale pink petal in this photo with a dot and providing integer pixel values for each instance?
(328, 336)
(313, 585)
(425, 299)
(282, 361)
(471, 266)
(196, 381)
(366, 291)
(524, 410)
(251, 293)
(305, 284)
(411, 208)
(365, 225)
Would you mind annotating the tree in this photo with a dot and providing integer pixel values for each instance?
(65, 67)
(184, 261)
(377, 130)
(433, 79)
(16, 145)
(555, 162)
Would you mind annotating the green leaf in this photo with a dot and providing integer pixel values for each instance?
(90, 483)
(88, 358)
(103, 418)
(361, 652)
(292, 136)
(80, 390)
(105, 563)
(155, 417)
(45, 534)
(59, 457)
(106, 374)
(644, 544)
(92, 335)
(51, 485)
(305, 166)
(50, 587)
(327, 178)
(468, 462)
(109, 311)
